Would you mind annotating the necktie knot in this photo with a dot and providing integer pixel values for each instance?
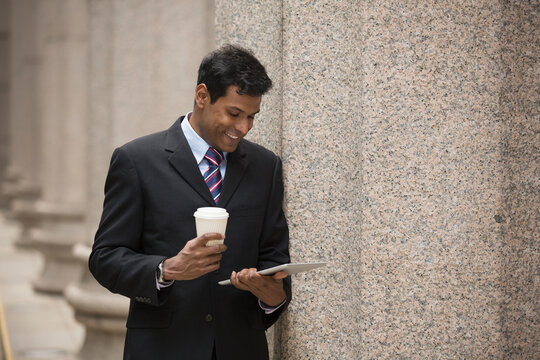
(213, 156)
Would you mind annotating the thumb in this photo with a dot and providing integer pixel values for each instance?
(280, 275)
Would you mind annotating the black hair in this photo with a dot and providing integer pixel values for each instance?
(233, 65)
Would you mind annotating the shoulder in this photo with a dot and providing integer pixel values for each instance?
(257, 151)
(161, 142)
(141, 151)
(145, 143)
(262, 162)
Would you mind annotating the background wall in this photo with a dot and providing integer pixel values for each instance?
(4, 89)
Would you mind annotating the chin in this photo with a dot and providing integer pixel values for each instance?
(229, 149)
(229, 146)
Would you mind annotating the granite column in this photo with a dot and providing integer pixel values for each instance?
(519, 215)
(5, 25)
(323, 176)
(409, 160)
(431, 243)
(21, 184)
(62, 86)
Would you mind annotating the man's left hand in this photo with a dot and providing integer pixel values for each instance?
(269, 289)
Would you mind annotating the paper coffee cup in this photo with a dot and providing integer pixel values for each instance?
(211, 219)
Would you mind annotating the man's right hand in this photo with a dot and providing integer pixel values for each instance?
(195, 259)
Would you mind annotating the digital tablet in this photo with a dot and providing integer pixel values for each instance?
(290, 269)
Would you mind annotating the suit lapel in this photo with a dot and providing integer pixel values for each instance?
(237, 162)
(183, 161)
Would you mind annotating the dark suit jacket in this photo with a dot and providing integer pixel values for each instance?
(152, 190)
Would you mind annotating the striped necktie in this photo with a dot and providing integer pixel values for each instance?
(212, 176)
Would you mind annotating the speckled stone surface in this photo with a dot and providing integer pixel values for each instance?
(410, 149)
(431, 190)
(520, 218)
(257, 25)
(323, 172)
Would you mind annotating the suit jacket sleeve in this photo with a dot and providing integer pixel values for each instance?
(117, 261)
(274, 244)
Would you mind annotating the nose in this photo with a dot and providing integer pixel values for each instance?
(243, 125)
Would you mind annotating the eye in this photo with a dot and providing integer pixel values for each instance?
(234, 114)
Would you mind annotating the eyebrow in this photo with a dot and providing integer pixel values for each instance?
(238, 109)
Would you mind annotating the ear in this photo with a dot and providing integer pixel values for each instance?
(202, 96)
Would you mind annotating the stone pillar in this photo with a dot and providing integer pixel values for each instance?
(62, 86)
(431, 189)
(302, 121)
(21, 183)
(408, 141)
(323, 173)
(519, 217)
(155, 63)
(101, 313)
(4, 92)
(143, 65)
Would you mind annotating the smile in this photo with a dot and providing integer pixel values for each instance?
(231, 135)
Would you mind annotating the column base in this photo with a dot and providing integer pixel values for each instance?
(103, 346)
(52, 229)
(60, 267)
(15, 186)
(103, 314)
(23, 211)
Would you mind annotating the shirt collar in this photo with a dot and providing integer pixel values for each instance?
(198, 146)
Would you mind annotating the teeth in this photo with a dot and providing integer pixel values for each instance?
(231, 136)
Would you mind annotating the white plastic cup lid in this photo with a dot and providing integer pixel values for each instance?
(213, 213)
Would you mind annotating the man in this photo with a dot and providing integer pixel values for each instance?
(146, 246)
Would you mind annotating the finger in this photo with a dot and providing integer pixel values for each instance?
(234, 279)
(236, 282)
(204, 238)
(211, 267)
(246, 278)
(255, 279)
(215, 266)
(252, 280)
(243, 275)
(215, 249)
(252, 273)
(207, 262)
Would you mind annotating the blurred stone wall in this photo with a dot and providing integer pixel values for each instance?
(86, 76)
(4, 91)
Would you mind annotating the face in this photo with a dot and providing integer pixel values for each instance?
(223, 124)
